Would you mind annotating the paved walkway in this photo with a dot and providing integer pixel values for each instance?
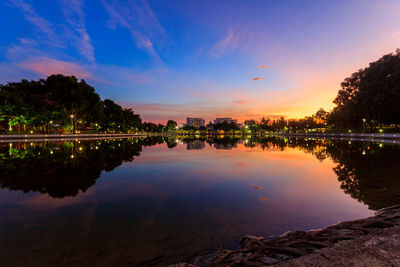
(62, 137)
(361, 136)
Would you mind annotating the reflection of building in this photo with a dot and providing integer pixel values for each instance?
(224, 146)
(226, 120)
(195, 122)
(195, 144)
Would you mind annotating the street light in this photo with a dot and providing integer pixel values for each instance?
(48, 130)
(72, 123)
(364, 120)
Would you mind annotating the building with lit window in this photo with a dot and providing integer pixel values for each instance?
(195, 122)
(226, 120)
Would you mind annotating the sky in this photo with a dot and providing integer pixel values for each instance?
(174, 59)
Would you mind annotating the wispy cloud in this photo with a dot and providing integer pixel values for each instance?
(40, 24)
(264, 67)
(48, 66)
(257, 78)
(75, 17)
(226, 45)
(140, 20)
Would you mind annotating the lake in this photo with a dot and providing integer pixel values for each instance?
(159, 200)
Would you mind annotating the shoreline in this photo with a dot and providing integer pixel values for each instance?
(352, 136)
(372, 241)
(382, 138)
(64, 137)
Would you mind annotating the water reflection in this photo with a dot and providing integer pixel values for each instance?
(150, 201)
(369, 172)
(62, 169)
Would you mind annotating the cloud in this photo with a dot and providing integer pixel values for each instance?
(263, 199)
(44, 40)
(41, 24)
(140, 20)
(226, 45)
(113, 75)
(264, 67)
(257, 78)
(73, 13)
(48, 66)
(257, 187)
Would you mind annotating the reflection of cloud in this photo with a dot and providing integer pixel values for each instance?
(257, 187)
(48, 66)
(227, 44)
(257, 78)
(263, 199)
(45, 202)
(264, 67)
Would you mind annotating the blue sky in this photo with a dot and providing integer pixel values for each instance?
(172, 59)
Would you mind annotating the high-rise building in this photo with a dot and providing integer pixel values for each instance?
(222, 120)
(195, 122)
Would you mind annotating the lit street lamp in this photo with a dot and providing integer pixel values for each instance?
(364, 120)
(72, 123)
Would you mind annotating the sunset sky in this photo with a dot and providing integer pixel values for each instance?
(172, 59)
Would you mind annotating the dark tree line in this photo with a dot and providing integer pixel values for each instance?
(370, 95)
(62, 101)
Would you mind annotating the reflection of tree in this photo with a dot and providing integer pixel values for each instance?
(225, 142)
(369, 172)
(64, 169)
(372, 177)
(171, 142)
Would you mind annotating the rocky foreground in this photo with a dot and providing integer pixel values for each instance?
(373, 241)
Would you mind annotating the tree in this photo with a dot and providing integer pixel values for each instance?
(320, 116)
(113, 115)
(372, 93)
(264, 123)
(171, 125)
(59, 98)
(225, 126)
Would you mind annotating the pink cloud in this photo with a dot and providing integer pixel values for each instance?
(48, 66)
(257, 78)
(226, 44)
(264, 67)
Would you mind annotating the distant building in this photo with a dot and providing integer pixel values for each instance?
(222, 120)
(195, 122)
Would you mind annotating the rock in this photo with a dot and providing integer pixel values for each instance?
(373, 241)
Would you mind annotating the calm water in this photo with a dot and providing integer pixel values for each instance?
(156, 201)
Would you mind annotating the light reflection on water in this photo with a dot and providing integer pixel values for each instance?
(156, 200)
